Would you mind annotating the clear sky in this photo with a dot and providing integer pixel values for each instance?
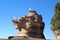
(19, 8)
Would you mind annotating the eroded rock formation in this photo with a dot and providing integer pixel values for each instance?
(31, 26)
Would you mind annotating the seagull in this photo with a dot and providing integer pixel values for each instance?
(14, 17)
(30, 9)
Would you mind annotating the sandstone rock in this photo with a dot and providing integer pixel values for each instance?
(31, 26)
(23, 38)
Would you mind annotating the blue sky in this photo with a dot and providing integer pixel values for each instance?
(19, 8)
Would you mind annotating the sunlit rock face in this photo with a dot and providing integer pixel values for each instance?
(56, 22)
(30, 26)
(24, 38)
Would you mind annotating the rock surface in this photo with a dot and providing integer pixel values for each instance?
(23, 38)
(30, 26)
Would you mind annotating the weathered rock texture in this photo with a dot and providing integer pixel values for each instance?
(31, 26)
(23, 38)
(56, 22)
(3, 39)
